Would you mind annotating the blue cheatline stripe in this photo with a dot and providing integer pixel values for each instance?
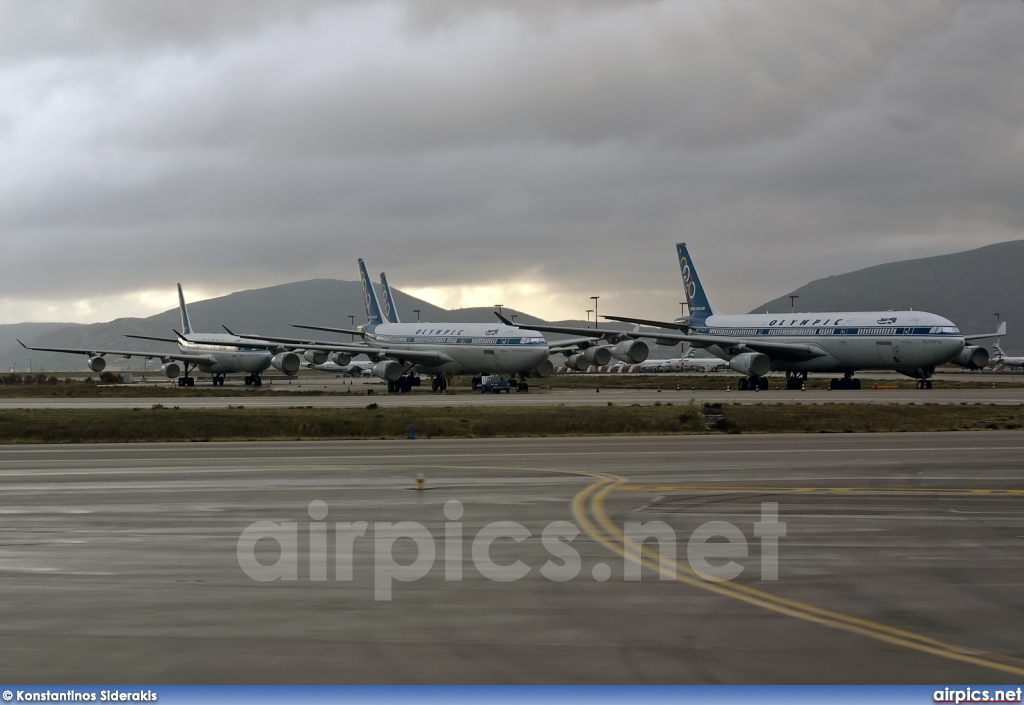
(443, 340)
(864, 331)
(535, 695)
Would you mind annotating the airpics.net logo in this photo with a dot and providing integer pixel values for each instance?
(711, 550)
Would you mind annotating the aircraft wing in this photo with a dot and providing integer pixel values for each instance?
(274, 342)
(645, 322)
(349, 331)
(183, 357)
(772, 348)
(420, 357)
(150, 337)
(588, 335)
(1000, 332)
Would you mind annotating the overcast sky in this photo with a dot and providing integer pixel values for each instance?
(530, 153)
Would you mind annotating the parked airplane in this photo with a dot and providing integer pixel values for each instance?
(913, 343)
(211, 353)
(435, 349)
(1003, 360)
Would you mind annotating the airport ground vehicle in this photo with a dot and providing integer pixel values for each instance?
(494, 384)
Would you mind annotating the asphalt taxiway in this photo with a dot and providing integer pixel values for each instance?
(901, 561)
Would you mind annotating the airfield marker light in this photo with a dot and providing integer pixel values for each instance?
(419, 482)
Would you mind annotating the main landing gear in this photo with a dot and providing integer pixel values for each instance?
(438, 383)
(250, 381)
(924, 384)
(847, 382)
(753, 384)
(218, 380)
(404, 384)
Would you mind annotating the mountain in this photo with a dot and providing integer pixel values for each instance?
(267, 311)
(965, 287)
(11, 332)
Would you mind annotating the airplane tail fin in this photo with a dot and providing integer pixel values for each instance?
(387, 301)
(696, 299)
(186, 326)
(998, 350)
(373, 313)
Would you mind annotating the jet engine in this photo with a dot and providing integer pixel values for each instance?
(599, 356)
(315, 357)
(286, 362)
(97, 363)
(973, 357)
(751, 363)
(631, 351)
(171, 369)
(341, 359)
(389, 370)
(544, 370)
(576, 362)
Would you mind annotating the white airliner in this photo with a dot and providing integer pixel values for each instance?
(689, 361)
(215, 354)
(435, 349)
(913, 343)
(1003, 360)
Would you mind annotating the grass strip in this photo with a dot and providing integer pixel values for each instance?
(162, 423)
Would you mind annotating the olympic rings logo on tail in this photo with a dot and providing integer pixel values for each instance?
(688, 284)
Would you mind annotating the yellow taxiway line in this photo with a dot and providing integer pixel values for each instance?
(589, 511)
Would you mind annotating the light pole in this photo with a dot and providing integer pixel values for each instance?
(499, 308)
(682, 308)
(792, 302)
(997, 315)
(513, 318)
(595, 298)
(352, 324)
(417, 312)
(589, 311)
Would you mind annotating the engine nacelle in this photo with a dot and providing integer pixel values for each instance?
(576, 362)
(598, 356)
(388, 370)
(752, 363)
(544, 370)
(973, 357)
(341, 359)
(171, 369)
(286, 362)
(97, 363)
(315, 357)
(631, 351)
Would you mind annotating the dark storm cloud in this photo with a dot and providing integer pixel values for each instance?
(237, 144)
